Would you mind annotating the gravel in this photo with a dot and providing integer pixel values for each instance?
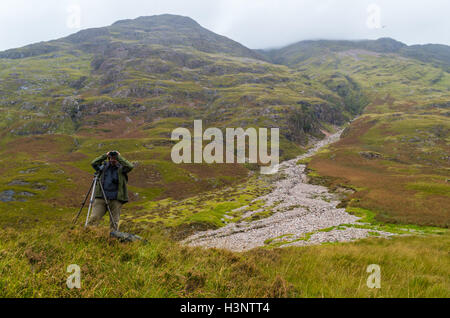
(299, 209)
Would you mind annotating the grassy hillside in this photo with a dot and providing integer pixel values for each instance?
(127, 86)
(396, 155)
(63, 108)
(435, 54)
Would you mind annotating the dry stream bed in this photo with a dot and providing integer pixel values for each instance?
(302, 214)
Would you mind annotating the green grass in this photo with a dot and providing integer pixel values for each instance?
(33, 263)
(369, 217)
(212, 209)
(430, 188)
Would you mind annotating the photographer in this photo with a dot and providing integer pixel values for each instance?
(113, 177)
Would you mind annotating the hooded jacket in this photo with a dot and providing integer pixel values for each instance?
(124, 168)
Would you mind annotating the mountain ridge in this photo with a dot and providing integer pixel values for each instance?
(165, 29)
(299, 51)
(131, 28)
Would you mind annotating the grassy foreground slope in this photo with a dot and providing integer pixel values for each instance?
(34, 258)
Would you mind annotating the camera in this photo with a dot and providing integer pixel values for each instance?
(99, 169)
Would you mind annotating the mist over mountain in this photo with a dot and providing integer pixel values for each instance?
(301, 51)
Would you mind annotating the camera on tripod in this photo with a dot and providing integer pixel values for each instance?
(91, 192)
(100, 169)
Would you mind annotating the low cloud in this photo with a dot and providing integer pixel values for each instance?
(254, 23)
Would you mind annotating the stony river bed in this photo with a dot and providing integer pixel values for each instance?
(303, 214)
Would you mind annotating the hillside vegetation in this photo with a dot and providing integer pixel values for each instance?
(127, 86)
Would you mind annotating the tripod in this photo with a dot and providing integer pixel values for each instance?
(92, 193)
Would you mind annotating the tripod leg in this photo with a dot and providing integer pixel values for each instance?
(116, 226)
(92, 201)
(84, 203)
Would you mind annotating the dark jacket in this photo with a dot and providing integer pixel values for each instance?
(124, 167)
(111, 181)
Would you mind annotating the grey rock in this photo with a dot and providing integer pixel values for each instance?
(7, 196)
(26, 194)
(370, 155)
(125, 237)
(18, 183)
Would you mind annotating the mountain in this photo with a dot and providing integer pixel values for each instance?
(160, 66)
(134, 35)
(298, 52)
(400, 140)
(437, 54)
(127, 86)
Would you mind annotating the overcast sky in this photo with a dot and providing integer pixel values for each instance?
(254, 23)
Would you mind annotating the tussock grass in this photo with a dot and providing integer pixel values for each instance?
(34, 259)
